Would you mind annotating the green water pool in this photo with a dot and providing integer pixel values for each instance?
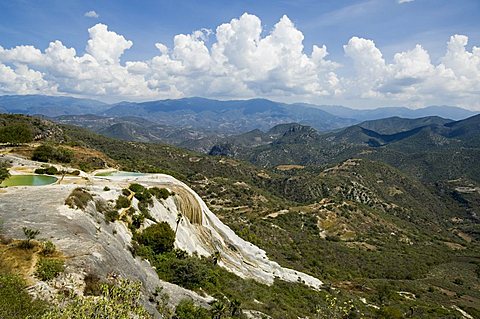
(28, 180)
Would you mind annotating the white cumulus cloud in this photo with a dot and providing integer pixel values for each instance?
(239, 59)
(91, 14)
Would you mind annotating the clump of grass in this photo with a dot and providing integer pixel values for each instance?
(48, 248)
(47, 268)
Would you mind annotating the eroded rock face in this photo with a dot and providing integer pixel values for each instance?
(92, 246)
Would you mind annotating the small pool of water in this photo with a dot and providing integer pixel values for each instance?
(120, 173)
(28, 180)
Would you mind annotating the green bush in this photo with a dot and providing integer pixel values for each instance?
(47, 153)
(122, 202)
(111, 216)
(30, 234)
(4, 174)
(144, 196)
(160, 193)
(159, 237)
(48, 269)
(115, 301)
(186, 309)
(48, 248)
(78, 198)
(15, 302)
(51, 170)
(136, 188)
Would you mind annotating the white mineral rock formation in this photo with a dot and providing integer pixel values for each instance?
(201, 232)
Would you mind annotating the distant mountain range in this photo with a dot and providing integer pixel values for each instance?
(425, 147)
(449, 112)
(197, 118)
(50, 105)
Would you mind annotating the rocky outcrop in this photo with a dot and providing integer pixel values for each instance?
(93, 246)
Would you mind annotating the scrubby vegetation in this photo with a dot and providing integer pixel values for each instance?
(49, 170)
(158, 238)
(30, 235)
(4, 174)
(122, 202)
(78, 198)
(49, 153)
(121, 300)
(16, 134)
(369, 221)
(15, 302)
(48, 268)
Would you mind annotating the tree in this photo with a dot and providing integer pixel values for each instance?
(179, 220)
(30, 234)
(159, 237)
(4, 174)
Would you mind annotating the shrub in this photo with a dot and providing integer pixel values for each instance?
(47, 153)
(159, 237)
(4, 174)
(160, 193)
(15, 302)
(48, 269)
(186, 309)
(93, 285)
(122, 202)
(115, 301)
(48, 248)
(144, 196)
(50, 170)
(136, 188)
(106, 189)
(78, 198)
(111, 216)
(137, 220)
(30, 234)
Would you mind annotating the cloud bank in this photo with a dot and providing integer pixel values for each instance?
(241, 63)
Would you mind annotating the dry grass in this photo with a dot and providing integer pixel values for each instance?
(289, 167)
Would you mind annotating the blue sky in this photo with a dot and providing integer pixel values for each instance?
(392, 26)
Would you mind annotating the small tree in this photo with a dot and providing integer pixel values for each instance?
(4, 174)
(30, 234)
(179, 220)
(160, 237)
